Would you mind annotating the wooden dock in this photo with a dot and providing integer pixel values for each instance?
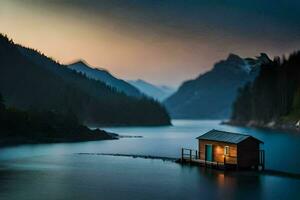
(190, 156)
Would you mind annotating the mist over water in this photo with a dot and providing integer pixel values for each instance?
(167, 141)
(57, 171)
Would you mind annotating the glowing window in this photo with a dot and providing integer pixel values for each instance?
(226, 150)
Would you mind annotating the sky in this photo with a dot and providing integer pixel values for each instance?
(160, 41)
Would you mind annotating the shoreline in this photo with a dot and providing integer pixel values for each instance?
(18, 141)
(86, 136)
(272, 126)
(12, 142)
(102, 126)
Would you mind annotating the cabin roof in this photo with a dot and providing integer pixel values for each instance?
(223, 136)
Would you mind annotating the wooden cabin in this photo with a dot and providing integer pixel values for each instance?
(229, 150)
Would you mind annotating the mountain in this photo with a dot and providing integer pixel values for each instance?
(211, 95)
(273, 99)
(104, 76)
(167, 90)
(157, 92)
(31, 81)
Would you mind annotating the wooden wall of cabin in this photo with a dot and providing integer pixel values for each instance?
(248, 153)
(218, 151)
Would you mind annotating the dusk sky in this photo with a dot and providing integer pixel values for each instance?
(161, 41)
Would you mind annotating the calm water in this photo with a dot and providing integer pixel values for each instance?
(56, 171)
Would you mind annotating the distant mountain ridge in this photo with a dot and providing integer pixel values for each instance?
(157, 92)
(104, 76)
(210, 96)
(30, 80)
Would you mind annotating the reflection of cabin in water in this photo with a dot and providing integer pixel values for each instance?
(226, 150)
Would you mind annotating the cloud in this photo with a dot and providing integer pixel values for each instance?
(193, 17)
(154, 39)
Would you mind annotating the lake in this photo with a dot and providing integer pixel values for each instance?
(57, 171)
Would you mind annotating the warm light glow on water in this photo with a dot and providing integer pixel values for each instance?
(221, 179)
(107, 177)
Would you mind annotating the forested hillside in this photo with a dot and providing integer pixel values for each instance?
(32, 81)
(106, 77)
(273, 99)
(19, 127)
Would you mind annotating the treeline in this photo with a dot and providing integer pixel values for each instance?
(18, 126)
(273, 96)
(32, 81)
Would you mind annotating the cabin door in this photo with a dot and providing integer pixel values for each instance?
(208, 152)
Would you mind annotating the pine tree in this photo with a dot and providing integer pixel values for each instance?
(274, 95)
